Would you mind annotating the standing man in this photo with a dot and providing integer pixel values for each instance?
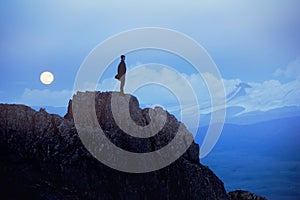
(121, 74)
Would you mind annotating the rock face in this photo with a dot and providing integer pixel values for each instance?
(244, 195)
(42, 157)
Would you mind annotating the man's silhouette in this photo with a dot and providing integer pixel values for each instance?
(121, 74)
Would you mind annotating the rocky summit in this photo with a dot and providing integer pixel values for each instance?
(43, 157)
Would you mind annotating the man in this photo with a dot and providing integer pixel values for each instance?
(121, 74)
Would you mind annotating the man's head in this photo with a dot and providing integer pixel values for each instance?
(122, 57)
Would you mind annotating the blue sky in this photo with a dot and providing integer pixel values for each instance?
(251, 41)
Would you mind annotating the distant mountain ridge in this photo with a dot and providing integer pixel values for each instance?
(234, 116)
(259, 157)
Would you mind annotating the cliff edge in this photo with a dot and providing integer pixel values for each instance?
(42, 157)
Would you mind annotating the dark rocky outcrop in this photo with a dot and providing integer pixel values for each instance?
(42, 157)
(244, 195)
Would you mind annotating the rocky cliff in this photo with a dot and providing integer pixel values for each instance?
(42, 157)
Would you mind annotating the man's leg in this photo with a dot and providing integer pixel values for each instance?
(122, 79)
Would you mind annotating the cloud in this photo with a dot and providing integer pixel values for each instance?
(35, 97)
(262, 96)
(268, 95)
(291, 71)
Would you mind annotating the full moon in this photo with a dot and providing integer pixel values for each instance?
(46, 78)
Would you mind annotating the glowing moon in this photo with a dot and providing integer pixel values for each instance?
(46, 78)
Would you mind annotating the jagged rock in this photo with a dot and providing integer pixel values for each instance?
(42, 157)
(244, 195)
